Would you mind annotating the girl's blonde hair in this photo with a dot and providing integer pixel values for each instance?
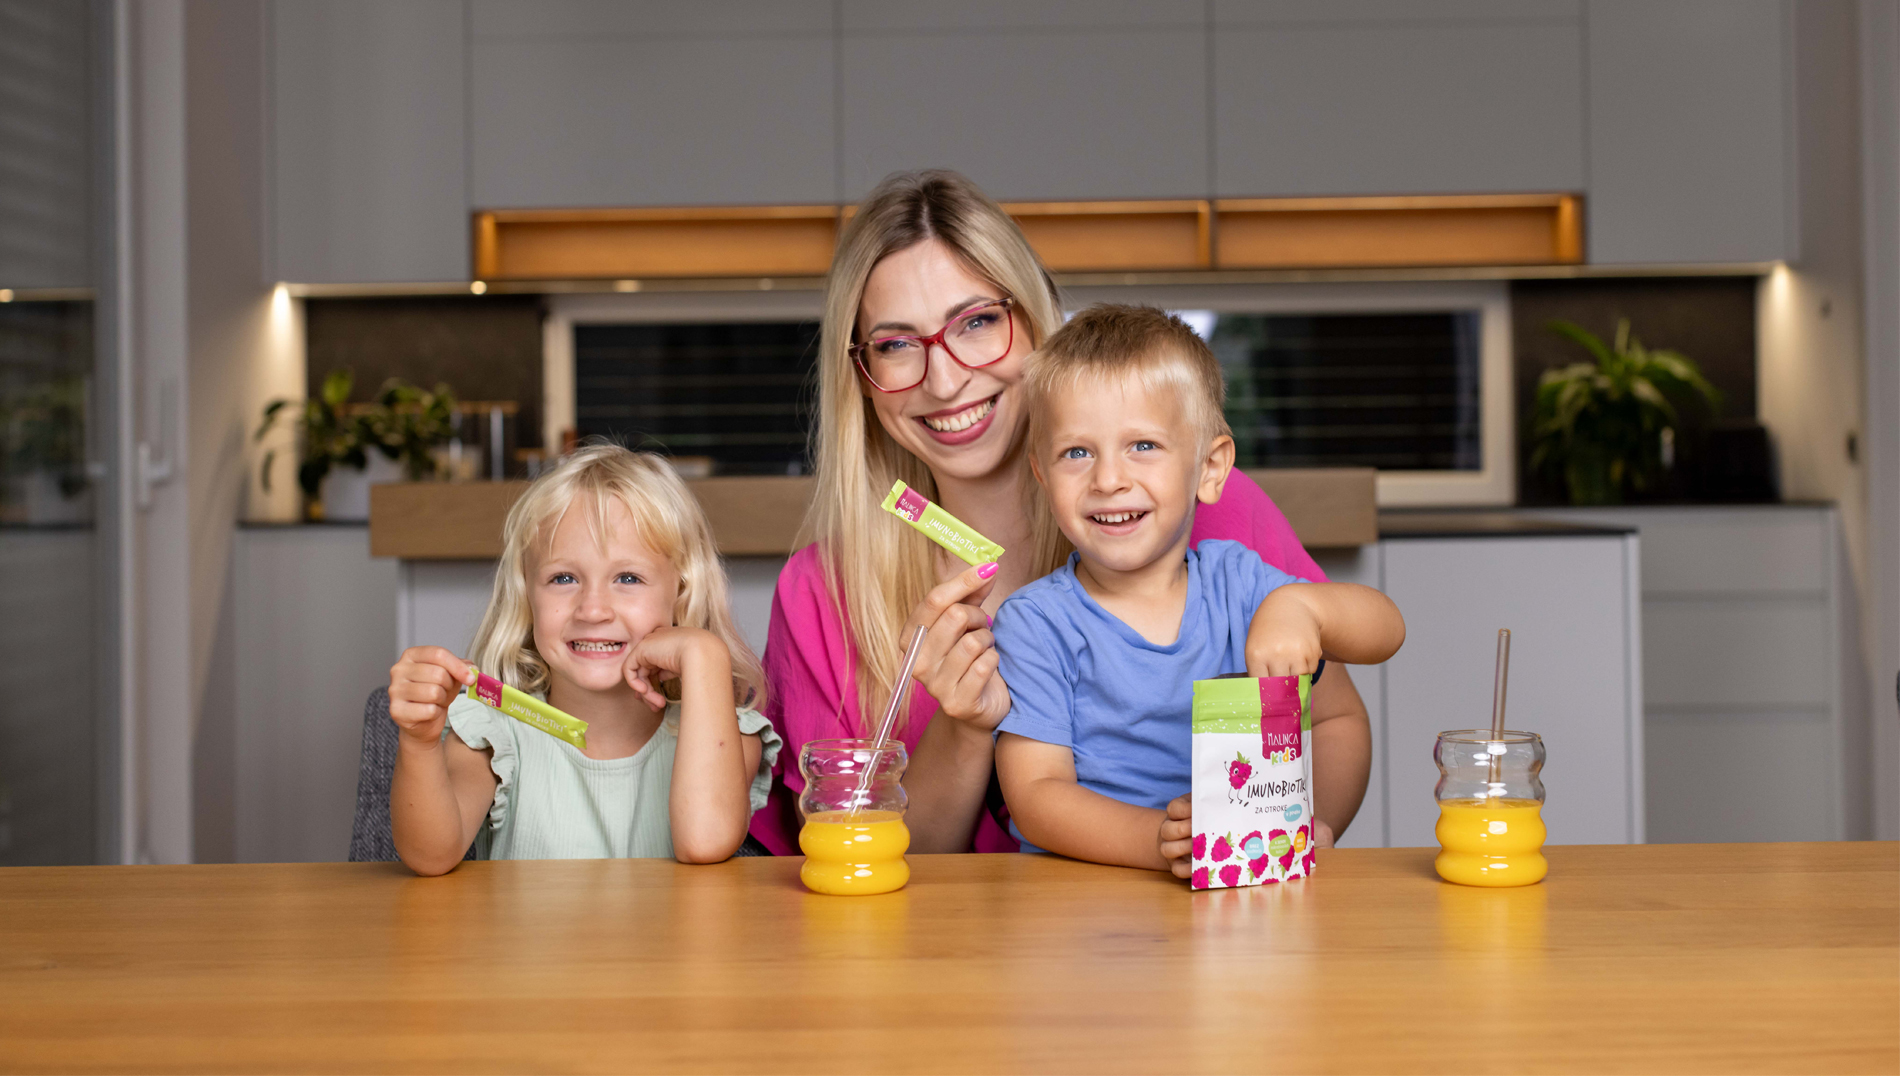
(667, 519)
(875, 569)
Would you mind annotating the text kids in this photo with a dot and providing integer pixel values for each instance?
(1126, 435)
(609, 585)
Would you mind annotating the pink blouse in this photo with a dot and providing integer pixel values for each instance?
(810, 660)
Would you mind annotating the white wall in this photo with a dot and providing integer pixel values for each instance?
(1880, 127)
(1811, 369)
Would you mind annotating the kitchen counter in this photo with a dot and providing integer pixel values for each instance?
(1486, 523)
(1709, 958)
(760, 515)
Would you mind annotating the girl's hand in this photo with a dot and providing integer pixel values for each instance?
(958, 662)
(671, 651)
(422, 683)
(1284, 638)
(1177, 836)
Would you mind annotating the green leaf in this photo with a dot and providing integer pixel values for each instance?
(1590, 341)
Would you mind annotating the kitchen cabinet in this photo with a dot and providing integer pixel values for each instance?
(368, 141)
(391, 122)
(1575, 679)
(1749, 669)
(1349, 104)
(315, 633)
(1100, 111)
(1690, 111)
(632, 105)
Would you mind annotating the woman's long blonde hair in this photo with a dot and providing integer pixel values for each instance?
(666, 518)
(876, 569)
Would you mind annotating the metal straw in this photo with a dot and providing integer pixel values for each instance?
(1497, 701)
(900, 698)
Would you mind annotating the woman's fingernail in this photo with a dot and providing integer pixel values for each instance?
(984, 571)
(989, 620)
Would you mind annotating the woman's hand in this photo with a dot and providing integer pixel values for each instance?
(422, 683)
(670, 651)
(958, 662)
(1177, 836)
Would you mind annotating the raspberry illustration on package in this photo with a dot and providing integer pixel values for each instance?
(1252, 772)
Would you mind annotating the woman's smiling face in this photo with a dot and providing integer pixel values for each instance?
(962, 423)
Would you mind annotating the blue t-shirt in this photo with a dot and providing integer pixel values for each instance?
(1081, 678)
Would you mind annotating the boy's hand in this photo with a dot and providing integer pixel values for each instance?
(670, 651)
(1176, 838)
(422, 683)
(1284, 638)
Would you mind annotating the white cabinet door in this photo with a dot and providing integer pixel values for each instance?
(1112, 109)
(643, 104)
(1397, 99)
(1689, 140)
(367, 120)
(1575, 674)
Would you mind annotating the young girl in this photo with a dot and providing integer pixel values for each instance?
(609, 584)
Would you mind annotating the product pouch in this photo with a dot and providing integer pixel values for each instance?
(1253, 787)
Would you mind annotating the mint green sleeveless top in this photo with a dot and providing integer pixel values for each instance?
(554, 802)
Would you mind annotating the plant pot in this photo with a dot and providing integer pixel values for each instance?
(35, 497)
(344, 495)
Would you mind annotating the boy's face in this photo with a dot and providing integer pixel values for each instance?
(1123, 467)
(592, 604)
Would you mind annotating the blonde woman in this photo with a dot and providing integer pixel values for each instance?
(934, 299)
(609, 583)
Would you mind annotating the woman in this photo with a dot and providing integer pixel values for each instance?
(934, 299)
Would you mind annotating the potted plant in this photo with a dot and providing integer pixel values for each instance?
(1605, 429)
(43, 444)
(336, 439)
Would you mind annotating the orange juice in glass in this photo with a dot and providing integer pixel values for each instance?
(1490, 808)
(854, 837)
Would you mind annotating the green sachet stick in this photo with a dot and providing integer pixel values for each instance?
(940, 526)
(528, 710)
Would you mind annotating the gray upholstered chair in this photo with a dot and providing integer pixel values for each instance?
(370, 839)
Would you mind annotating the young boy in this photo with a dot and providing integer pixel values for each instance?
(1125, 436)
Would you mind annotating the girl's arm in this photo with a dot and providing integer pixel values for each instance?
(442, 788)
(1057, 814)
(710, 802)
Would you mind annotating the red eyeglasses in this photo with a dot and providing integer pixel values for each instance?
(975, 338)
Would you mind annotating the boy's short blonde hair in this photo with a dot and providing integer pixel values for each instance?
(1137, 346)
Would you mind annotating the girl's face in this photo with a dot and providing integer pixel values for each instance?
(592, 603)
(962, 423)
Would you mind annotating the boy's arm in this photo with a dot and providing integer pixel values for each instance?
(1055, 813)
(1294, 627)
(1300, 623)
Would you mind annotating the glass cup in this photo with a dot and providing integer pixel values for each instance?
(1490, 808)
(854, 836)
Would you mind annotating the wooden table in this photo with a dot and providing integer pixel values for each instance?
(1706, 958)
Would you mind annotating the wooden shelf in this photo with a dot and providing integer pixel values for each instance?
(1070, 237)
(1308, 233)
(760, 516)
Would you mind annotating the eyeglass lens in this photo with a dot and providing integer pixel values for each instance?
(977, 337)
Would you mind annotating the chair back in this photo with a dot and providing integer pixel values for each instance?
(370, 838)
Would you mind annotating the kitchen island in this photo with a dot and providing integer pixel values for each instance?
(1680, 958)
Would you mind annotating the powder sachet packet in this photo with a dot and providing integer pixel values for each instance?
(1253, 781)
